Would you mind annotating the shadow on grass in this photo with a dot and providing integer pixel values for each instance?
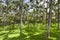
(55, 34)
(6, 35)
(39, 37)
(31, 35)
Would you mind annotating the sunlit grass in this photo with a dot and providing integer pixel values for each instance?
(37, 32)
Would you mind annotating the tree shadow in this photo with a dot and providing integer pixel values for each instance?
(22, 37)
(42, 36)
(31, 34)
(6, 35)
(32, 37)
(56, 35)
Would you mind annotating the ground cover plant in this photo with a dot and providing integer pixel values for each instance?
(31, 33)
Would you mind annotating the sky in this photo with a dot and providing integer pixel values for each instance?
(25, 1)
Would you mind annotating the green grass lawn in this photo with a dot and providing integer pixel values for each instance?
(37, 32)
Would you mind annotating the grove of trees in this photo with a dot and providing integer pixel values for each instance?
(30, 16)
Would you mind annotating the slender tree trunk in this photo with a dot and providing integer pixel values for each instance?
(46, 15)
(5, 15)
(49, 18)
(27, 15)
(34, 18)
(36, 14)
(27, 18)
(21, 5)
(58, 16)
(1, 11)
